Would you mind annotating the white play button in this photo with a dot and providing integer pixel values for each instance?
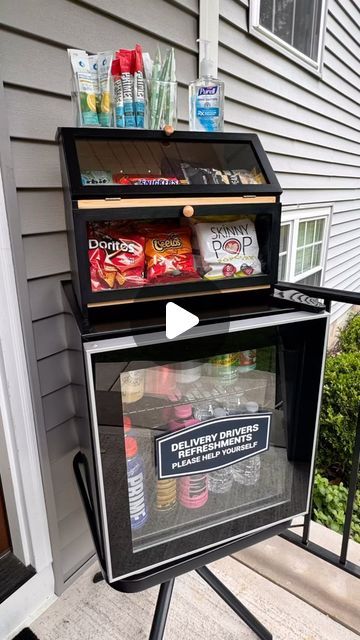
(178, 320)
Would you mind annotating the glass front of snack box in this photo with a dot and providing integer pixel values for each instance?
(125, 254)
(194, 443)
(153, 162)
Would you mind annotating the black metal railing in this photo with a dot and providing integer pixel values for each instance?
(341, 559)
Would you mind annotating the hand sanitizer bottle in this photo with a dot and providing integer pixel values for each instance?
(206, 96)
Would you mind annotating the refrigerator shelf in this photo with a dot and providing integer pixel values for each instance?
(272, 489)
(258, 386)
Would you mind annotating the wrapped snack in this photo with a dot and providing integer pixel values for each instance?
(116, 258)
(85, 86)
(120, 178)
(203, 175)
(89, 178)
(206, 175)
(228, 249)
(169, 255)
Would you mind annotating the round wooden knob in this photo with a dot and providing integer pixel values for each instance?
(188, 211)
(169, 130)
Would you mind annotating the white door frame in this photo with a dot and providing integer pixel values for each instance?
(19, 456)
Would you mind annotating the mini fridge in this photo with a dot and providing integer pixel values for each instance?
(202, 444)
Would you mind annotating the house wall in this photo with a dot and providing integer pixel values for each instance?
(35, 72)
(310, 126)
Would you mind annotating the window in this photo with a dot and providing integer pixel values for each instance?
(303, 243)
(294, 27)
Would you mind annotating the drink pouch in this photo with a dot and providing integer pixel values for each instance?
(169, 255)
(127, 80)
(118, 94)
(85, 87)
(139, 87)
(105, 107)
(228, 249)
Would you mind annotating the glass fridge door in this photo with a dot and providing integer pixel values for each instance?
(205, 439)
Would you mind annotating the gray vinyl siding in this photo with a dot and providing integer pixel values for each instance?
(34, 68)
(308, 125)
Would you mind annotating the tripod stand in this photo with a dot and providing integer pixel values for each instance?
(166, 588)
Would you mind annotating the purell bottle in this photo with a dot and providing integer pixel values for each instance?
(136, 484)
(192, 490)
(206, 96)
(247, 472)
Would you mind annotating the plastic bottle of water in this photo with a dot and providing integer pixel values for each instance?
(247, 472)
(219, 481)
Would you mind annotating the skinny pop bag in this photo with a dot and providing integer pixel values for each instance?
(228, 249)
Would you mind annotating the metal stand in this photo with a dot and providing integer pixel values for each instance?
(166, 588)
(161, 610)
(164, 600)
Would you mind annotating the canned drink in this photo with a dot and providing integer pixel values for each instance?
(247, 360)
(225, 366)
(132, 385)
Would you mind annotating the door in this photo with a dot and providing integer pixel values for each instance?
(203, 440)
(4, 528)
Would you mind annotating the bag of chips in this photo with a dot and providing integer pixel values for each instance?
(116, 258)
(228, 249)
(169, 255)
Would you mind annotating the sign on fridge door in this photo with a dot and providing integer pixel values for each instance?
(212, 445)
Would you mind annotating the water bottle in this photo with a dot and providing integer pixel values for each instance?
(136, 484)
(247, 472)
(220, 480)
(192, 490)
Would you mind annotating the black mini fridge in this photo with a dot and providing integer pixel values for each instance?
(198, 445)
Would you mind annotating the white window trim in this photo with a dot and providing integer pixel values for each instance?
(19, 455)
(257, 30)
(294, 217)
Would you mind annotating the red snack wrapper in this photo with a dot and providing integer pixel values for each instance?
(116, 258)
(120, 178)
(169, 255)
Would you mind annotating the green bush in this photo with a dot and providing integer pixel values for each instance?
(329, 505)
(349, 336)
(338, 417)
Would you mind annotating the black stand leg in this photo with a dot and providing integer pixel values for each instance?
(162, 610)
(165, 593)
(98, 577)
(234, 603)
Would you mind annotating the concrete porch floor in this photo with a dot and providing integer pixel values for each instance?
(88, 611)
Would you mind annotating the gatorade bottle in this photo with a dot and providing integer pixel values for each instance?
(136, 484)
(192, 490)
